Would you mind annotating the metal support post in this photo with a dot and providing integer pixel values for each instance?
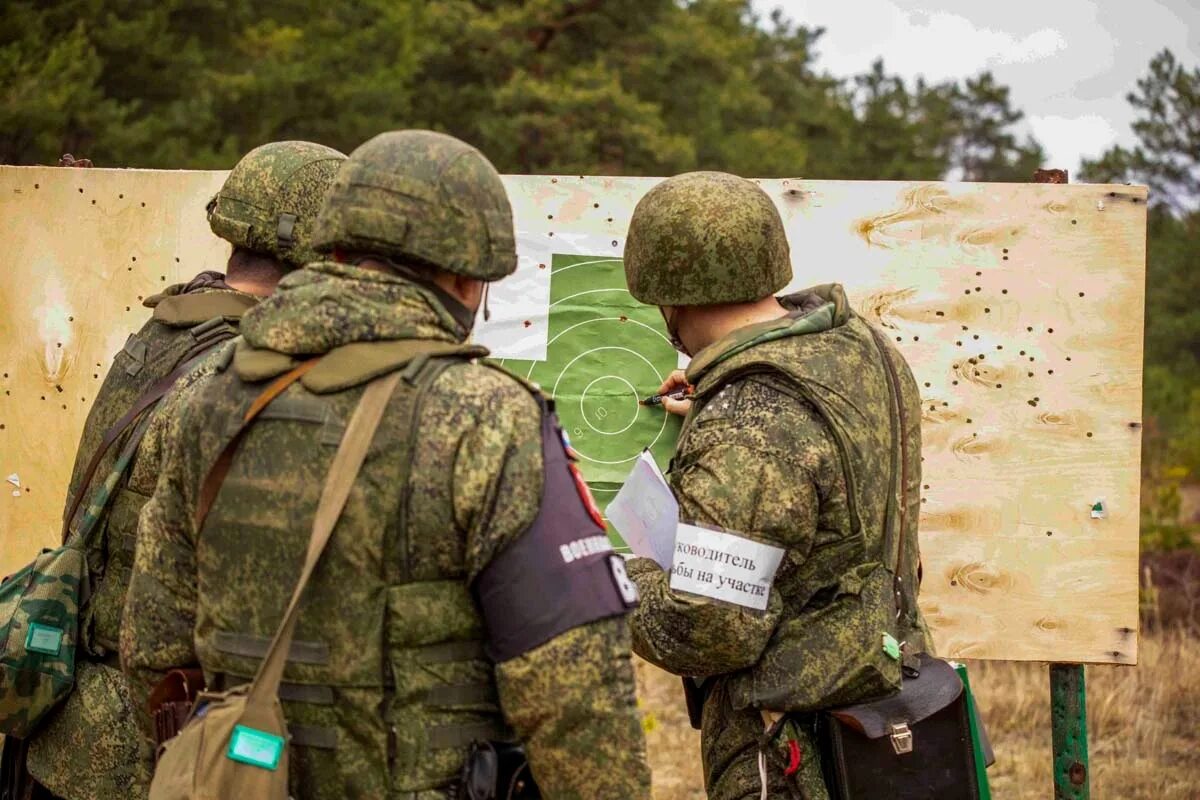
(1068, 722)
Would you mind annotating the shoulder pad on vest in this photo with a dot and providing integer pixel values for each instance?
(351, 364)
(185, 310)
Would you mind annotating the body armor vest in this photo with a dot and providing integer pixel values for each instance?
(848, 581)
(387, 674)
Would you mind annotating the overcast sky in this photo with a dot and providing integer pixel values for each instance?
(1069, 63)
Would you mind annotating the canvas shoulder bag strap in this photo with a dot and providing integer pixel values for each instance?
(896, 518)
(351, 454)
(157, 391)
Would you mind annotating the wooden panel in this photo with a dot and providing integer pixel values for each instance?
(82, 248)
(1019, 306)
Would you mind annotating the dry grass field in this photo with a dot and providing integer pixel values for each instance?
(1143, 721)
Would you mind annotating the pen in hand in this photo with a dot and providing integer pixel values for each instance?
(657, 399)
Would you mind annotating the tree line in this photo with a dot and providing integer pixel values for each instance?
(648, 87)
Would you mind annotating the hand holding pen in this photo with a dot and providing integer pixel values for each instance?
(674, 394)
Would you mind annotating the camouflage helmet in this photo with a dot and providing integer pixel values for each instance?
(703, 238)
(270, 200)
(422, 197)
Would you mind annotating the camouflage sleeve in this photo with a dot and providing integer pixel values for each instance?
(157, 626)
(574, 703)
(742, 489)
(571, 700)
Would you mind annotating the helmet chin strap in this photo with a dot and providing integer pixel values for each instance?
(672, 331)
(487, 312)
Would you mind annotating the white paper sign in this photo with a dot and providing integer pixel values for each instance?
(724, 566)
(645, 512)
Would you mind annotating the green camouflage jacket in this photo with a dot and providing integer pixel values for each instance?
(789, 442)
(87, 748)
(387, 680)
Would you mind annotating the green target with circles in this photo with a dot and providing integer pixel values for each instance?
(604, 352)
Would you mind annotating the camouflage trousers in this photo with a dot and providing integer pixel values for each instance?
(89, 748)
(729, 742)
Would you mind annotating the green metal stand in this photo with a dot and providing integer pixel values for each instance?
(985, 790)
(1068, 722)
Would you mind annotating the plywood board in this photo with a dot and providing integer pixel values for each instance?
(1019, 307)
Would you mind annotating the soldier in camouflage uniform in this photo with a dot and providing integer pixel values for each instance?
(87, 749)
(468, 593)
(787, 440)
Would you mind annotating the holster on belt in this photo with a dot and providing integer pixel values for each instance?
(496, 771)
(171, 702)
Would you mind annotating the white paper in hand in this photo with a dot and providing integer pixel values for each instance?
(724, 566)
(645, 512)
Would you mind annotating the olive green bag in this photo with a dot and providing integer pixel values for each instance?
(234, 745)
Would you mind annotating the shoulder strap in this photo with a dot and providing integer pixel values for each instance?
(342, 473)
(897, 508)
(149, 398)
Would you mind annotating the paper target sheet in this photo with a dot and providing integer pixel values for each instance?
(604, 352)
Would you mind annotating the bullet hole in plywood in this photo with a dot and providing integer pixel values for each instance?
(176, 259)
(93, 202)
(1081, 294)
(987, 310)
(978, 289)
(1005, 258)
(954, 383)
(1068, 358)
(927, 384)
(940, 313)
(1049, 330)
(81, 190)
(975, 336)
(549, 216)
(595, 205)
(978, 274)
(1004, 250)
(143, 205)
(959, 343)
(1049, 533)
(1029, 328)
(554, 180)
(965, 328)
(610, 219)
(528, 324)
(37, 186)
(59, 388)
(1004, 291)
(551, 234)
(1089, 433)
(1074, 222)
(120, 197)
(966, 291)
(916, 338)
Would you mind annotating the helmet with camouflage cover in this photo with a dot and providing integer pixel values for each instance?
(270, 200)
(703, 238)
(423, 198)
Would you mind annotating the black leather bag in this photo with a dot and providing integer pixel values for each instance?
(913, 745)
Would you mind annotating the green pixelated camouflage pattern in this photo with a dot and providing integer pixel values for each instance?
(761, 454)
(276, 179)
(703, 238)
(45, 592)
(101, 759)
(310, 313)
(95, 705)
(385, 607)
(421, 197)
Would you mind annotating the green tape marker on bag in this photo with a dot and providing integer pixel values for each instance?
(891, 647)
(254, 747)
(45, 639)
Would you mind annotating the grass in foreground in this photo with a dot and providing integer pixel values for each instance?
(1143, 724)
